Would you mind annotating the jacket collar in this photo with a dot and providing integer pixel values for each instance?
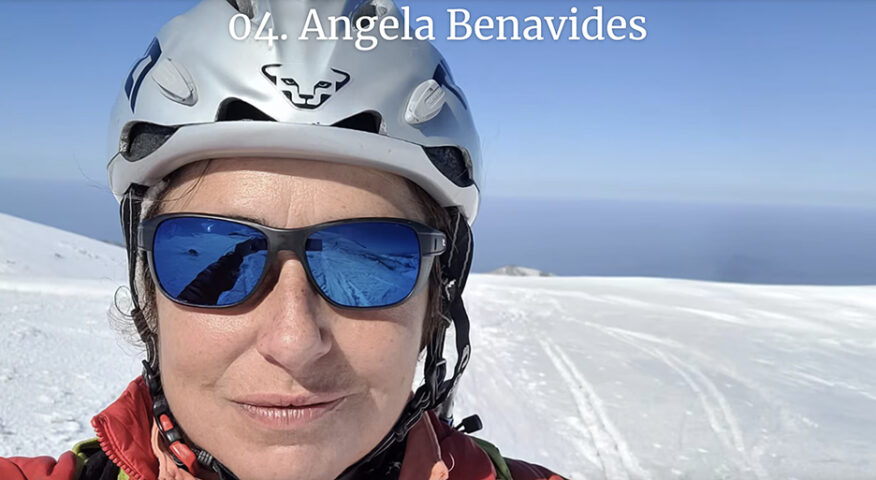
(423, 453)
(124, 430)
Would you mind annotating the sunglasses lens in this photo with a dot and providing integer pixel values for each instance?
(206, 262)
(365, 264)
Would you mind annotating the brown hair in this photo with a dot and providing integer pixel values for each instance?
(436, 217)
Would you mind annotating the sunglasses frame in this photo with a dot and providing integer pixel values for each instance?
(432, 242)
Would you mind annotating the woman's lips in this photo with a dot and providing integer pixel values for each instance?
(284, 413)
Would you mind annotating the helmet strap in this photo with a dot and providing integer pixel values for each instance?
(130, 211)
(184, 456)
(457, 264)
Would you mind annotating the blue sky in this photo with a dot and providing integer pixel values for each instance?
(725, 101)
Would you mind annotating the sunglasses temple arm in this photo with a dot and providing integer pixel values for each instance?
(432, 244)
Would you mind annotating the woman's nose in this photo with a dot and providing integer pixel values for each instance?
(294, 330)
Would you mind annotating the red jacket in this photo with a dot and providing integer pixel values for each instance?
(434, 450)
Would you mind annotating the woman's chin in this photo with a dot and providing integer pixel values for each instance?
(306, 445)
(310, 461)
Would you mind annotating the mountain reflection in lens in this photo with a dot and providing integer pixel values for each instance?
(208, 262)
(364, 264)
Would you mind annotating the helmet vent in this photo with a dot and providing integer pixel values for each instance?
(369, 8)
(243, 6)
(234, 109)
(369, 121)
(451, 162)
(145, 138)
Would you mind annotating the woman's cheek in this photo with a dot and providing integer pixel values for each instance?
(195, 349)
(383, 350)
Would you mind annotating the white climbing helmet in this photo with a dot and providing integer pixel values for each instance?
(199, 93)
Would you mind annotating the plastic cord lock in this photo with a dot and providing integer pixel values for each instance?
(470, 424)
(183, 454)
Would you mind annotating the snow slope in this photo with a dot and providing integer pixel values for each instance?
(655, 378)
(618, 378)
(60, 361)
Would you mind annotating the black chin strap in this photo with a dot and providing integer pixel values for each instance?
(185, 457)
(455, 266)
(458, 265)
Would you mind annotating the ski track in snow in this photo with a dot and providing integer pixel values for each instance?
(615, 458)
(720, 416)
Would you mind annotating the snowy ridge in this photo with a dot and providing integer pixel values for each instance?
(616, 378)
(28, 249)
(518, 271)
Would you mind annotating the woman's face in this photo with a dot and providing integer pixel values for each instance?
(226, 371)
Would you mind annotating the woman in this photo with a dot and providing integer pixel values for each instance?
(297, 224)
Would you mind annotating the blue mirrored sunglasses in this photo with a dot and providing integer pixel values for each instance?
(211, 261)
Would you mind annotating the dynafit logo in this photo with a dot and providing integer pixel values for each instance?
(303, 92)
(139, 71)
